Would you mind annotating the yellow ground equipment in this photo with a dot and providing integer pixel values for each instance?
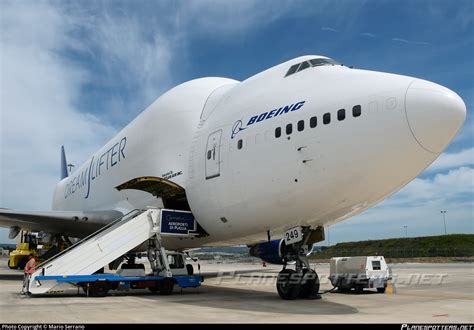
(28, 244)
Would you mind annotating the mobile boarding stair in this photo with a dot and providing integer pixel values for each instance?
(77, 264)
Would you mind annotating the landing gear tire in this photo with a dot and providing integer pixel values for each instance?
(288, 284)
(310, 285)
(381, 290)
(166, 287)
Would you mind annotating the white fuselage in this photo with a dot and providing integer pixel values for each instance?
(228, 144)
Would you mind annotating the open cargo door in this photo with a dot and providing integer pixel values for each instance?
(172, 194)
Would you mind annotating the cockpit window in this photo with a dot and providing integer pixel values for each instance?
(303, 66)
(323, 61)
(311, 63)
(292, 69)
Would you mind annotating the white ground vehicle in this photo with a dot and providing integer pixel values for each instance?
(359, 272)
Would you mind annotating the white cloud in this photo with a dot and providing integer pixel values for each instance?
(451, 160)
(442, 187)
(410, 42)
(129, 56)
(327, 28)
(224, 17)
(417, 206)
(219, 18)
(368, 34)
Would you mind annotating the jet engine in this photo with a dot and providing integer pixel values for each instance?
(271, 252)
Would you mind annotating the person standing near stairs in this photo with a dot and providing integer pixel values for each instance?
(29, 269)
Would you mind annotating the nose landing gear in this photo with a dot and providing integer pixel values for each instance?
(303, 281)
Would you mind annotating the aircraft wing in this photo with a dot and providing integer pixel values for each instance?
(69, 223)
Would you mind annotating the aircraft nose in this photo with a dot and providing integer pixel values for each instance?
(435, 114)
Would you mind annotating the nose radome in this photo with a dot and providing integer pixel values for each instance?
(435, 114)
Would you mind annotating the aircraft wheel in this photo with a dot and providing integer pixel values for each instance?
(288, 284)
(381, 290)
(359, 288)
(310, 285)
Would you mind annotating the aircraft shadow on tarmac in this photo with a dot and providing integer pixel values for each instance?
(220, 297)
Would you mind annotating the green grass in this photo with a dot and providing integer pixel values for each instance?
(455, 245)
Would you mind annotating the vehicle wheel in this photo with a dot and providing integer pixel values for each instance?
(288, 284)
(359, 288)
(381, 290)
(190, 269)
(166, 287)
(10, 266)
(22, 262)
(342, 286)
(310, 285)
(155, 288)
(99, 289)
(343, 289)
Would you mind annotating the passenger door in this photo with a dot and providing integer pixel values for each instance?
(213, 155)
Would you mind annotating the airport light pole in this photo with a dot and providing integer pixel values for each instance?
(444, 221)
(406, 231)
(329, 239)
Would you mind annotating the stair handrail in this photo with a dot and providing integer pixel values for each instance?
(111, 224)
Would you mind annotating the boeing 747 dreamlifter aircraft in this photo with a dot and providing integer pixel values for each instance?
(304, 144)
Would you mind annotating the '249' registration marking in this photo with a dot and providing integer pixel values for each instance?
(293, 235)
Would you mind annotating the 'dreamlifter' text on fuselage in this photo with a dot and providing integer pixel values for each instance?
(107, 160)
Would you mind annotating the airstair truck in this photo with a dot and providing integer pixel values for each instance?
(357, 273)
(80, 265)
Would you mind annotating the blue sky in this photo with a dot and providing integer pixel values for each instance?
(74, 73)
